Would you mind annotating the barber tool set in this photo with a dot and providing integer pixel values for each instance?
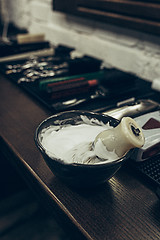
(63, 79)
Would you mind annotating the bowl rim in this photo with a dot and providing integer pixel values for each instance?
(101, 164)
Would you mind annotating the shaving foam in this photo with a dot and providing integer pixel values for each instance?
(74, 143)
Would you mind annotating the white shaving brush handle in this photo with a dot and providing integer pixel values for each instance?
(125, 136)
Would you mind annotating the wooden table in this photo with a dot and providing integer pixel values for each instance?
(125, 207)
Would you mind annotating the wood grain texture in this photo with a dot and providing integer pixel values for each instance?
(123, 208)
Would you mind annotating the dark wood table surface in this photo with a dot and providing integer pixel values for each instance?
(125, 207)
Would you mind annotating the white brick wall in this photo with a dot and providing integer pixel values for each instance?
(124, 49)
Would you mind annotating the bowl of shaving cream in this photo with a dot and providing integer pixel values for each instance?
(65, 141)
